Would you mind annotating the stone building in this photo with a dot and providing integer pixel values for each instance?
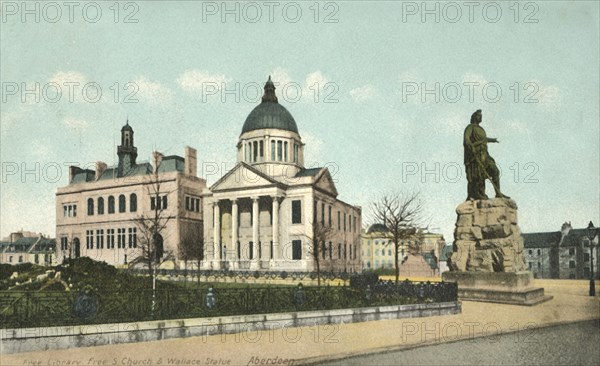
(378, 251)
(267, 212)
(27, 247)
(560, 254)
(102, 213)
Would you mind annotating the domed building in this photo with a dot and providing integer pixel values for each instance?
(268, 211)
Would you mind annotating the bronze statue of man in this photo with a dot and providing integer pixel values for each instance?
(478, 162)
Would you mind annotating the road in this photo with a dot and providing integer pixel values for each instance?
(570, 344)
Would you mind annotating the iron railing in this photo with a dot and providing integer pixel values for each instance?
(20, 309)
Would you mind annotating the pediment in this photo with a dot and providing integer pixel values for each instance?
(243, 176)
(324, 182)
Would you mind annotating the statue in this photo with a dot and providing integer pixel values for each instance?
(479, 165)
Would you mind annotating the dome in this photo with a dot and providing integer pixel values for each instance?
(127, 127)
(270, 114)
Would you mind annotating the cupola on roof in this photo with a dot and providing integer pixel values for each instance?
(269, 113)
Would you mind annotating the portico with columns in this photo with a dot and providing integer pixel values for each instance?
(262, 214)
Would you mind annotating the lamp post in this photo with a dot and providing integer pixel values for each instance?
(591, 233)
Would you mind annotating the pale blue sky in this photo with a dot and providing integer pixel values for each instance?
(372, 134)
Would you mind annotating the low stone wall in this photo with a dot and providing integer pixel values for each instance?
(39, 339)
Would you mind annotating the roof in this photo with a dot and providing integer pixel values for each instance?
(553, 238)
(169, 163)
(446, 252)
(379, 228)
(308, 172)
(269, 114)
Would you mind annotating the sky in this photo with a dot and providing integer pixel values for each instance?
(381, 92)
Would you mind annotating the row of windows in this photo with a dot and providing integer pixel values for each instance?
(296, 250)
(158, 203)
(382, 252)
(349, 220)
(254, 151)
(348, 253)
(110, 238)
(192, 204)
(70, 210)
(37, 259)
(111, 204)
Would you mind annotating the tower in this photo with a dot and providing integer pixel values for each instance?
(127, 152)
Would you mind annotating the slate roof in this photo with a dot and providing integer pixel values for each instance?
(270, 114)
(550, 239)
(29, 244)
(377, 228)
(169, 163)
(308, 172)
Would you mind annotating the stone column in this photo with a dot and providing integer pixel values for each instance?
(234, 231)
(276, 252)
(255, 237)
(216, 231)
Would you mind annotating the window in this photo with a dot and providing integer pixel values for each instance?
(530, 264)
(65, 211)
(572, 264)
(132, 202)
(20, 259)
(296, 212)
(539, 265)
(295, 153)
(272, 150)
(121, 238)
(530, 252)
(90, 206)
(323, 249)
(111, 205)
(329, 216)
(271, 250)
(164, 203)
(69, 210)
(296, 249)
(261, 152)
(344, 221)
(251, 250)
(323, 214)
(122, 203)
(89, 239)
(152, 203)
(539, 252)
(187, 203)
(99, 239)
(339, 221)
(255, 151)
(354, 229)
(64, 243)
(132, 237)
(110, 238)
(279, 151)
(586, 257)
(339, 251)
(572, 252)
(330, 250)
(285, 151)
(100, 206)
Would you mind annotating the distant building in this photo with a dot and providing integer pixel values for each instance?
(444, 256)
(27, 247)
(98, 213)
(262, 214)
(560, 254)
(378, 251)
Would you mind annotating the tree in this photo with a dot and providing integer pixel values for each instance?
(318, 237)
(401, 214)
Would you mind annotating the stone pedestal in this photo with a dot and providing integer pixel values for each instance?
(501, 287)
(487, 261)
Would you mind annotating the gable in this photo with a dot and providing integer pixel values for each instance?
(242, 176)
(324, 182)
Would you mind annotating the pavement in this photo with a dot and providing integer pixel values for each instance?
(317, 344)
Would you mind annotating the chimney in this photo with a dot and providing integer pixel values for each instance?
(564, 231)
(191, 164)
(73, 170)
(100, 168)
(16, 236)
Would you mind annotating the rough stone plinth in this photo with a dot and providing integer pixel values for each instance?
(487, 237)
(501, 287)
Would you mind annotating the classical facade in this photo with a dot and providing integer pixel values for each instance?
(108, 213)
(268, 212)
(560, 254)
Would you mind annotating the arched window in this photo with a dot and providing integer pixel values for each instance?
(122, 203)
(90, 206)
(111, 204)
(100, 206)
(132, 202)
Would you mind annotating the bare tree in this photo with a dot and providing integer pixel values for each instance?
(318, 237)
(401, 214)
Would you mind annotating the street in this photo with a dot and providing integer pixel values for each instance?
(570, 344)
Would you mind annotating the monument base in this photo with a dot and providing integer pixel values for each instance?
(501, 287)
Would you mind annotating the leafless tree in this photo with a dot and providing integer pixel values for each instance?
(401, 214)
(318, 237)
